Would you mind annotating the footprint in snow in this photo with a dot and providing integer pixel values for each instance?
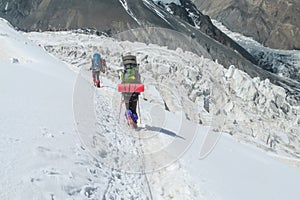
(51, 172)
(89, 191)
(43, 149)
(46, 133)
(72, 191)
(48, 153)
(103, 154)
(13, 140)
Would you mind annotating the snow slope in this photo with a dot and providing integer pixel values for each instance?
(253, 110)
(60, 137)
(41, 153)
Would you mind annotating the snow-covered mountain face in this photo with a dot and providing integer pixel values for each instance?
(46, 155)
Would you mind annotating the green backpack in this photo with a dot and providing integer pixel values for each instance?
(131, 70)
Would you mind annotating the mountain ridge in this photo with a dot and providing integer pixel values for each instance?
(267, 21)
(131, 14)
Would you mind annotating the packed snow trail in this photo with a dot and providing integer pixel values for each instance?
(99, 131)
(118, 146)
(41, 154)
(222, 164)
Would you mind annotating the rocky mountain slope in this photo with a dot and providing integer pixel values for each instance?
(112, 17)
(61, 15)
(267, 21)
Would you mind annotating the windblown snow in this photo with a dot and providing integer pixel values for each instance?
(151, 6)
(169, 1)
(60, 137)
(128, 10)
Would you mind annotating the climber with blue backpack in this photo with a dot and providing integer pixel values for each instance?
(98, 65)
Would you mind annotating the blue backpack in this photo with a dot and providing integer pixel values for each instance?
(96, 62)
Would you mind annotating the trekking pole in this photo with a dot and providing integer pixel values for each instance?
(121, 101)
(139, 111)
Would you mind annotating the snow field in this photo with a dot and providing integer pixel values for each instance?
(60, 138)
(254, 110)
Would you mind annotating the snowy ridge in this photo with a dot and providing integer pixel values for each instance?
(193, 13)
(168, 1)
(152, 6)
(125, 5)
(6, 7)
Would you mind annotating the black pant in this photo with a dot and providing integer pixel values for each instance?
(131, 101)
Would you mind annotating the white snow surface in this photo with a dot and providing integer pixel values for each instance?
(128, 10)
(6, 6)
(151, 5)
(169, 1)
(47, 152)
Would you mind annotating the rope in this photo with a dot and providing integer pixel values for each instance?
(143, 168)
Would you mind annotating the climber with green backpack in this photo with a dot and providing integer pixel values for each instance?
(130, 88)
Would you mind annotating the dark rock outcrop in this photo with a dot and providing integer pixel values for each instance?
(32, 15)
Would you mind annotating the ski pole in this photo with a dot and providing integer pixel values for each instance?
(121, 101)
(139, 111)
